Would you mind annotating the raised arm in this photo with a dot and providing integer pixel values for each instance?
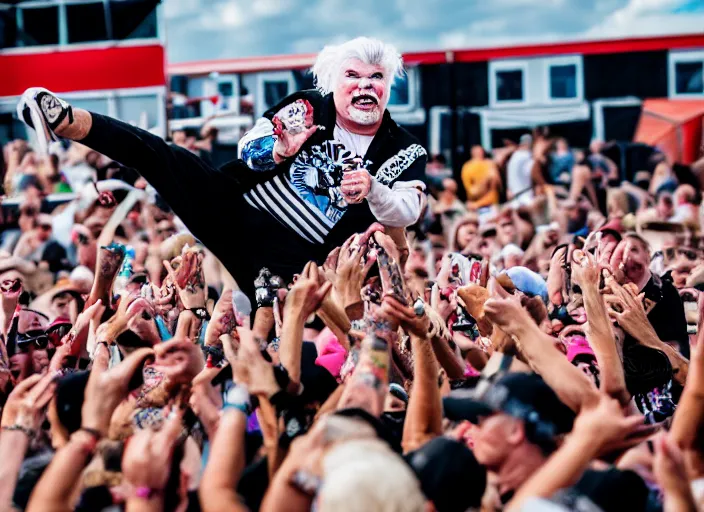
(225, 464)
(424, 412)
(601, 338)
(570, 384)
(627, 309)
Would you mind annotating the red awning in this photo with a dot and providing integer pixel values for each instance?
(674, 126)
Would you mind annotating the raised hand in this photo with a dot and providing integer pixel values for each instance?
(352, 270)
(222, 320)
(604, 422)
(389, 269)
(293, 126)
(306, 295)
(25, 406)
(407, 316)
(146, 463)
(186, 273)
(627, 309)
(180, 360)
(107, 388)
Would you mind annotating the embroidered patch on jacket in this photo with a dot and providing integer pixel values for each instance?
(394, 166)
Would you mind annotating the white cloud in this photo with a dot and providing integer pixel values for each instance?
(647, 17)
(208, 29)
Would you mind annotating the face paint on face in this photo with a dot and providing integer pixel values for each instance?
(361, 93)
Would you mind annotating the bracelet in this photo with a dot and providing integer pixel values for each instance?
(200, 313)
(146, 493)
(97, 434)
(19, 428)
(88, 444)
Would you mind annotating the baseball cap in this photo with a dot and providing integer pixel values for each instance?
(613, 489)
(526, 138)
(449, 474)
(528, 282)
(525, 396)
(578, 346)
(613, 227)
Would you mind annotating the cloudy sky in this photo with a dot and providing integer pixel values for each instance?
(217, 29)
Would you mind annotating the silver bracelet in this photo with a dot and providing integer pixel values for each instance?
(19, 428)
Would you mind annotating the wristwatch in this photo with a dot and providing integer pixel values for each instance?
(201, 313)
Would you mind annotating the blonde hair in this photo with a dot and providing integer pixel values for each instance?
(370, 51)
(364, 475)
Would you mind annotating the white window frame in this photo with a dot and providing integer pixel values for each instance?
(679, 57)
(507, 65)
(568, 60)
(64, 45)
(272, 76)
(234, 80)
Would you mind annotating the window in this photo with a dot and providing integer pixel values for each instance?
(508, 82)
(400, 94)
(86, 22)
(274, 92)
(139, 110)
(8, 27)
(133, 19)
(226, 89)
(563, 81)
(40, 25)
(686, 74)
(509, 85)
(272, 88)
(688, 77)
(97, 105)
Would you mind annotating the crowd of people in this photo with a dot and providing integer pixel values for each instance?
(514, 337)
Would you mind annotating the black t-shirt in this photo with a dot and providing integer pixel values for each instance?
(667, 316)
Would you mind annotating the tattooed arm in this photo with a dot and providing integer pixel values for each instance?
(368, 385)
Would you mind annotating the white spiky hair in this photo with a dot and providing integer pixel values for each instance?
(370, 51)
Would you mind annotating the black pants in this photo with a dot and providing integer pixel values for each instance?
(209, 201)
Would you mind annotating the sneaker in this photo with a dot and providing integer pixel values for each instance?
(42, 111)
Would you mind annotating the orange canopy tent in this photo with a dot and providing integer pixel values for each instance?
(674, 126)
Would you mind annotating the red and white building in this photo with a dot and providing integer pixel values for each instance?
(104, 55)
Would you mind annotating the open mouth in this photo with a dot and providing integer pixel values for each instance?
(365, 101)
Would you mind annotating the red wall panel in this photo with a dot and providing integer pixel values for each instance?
(83, 70)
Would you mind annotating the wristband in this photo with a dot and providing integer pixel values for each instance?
(146, 493)
(88, 443)
(306, 482)
(93, 432)
(237, 397)
(200, 313)
(19, 428)
(697, 488)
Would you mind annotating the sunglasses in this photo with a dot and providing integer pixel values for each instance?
(38, 339)
(45, 227)
(57, 333)
(690, 254)
(30, 212)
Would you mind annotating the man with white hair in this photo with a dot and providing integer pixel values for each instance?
(318, 167)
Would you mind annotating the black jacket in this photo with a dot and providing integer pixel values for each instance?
(394, 155)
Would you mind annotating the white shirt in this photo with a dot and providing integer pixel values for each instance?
(399, 206)
(518, 173)
(359, 144)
